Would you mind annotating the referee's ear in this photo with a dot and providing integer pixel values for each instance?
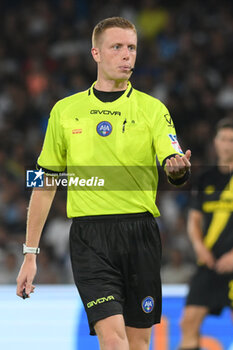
(95, 54)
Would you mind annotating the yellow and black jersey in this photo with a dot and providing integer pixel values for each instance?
(103, 143)
(213, 196)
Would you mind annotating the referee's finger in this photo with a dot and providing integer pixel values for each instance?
(188, 154)
(169, 165)
(186, 161)
(178, 164)
(28, 287)
(19, 290)
(182, 162)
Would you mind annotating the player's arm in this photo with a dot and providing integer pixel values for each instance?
(204, 256)
(38, 210)
(225, 263)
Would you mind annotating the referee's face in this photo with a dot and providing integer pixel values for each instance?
(116, 54)
(224, 145)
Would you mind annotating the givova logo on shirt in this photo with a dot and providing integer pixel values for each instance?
(105, 111)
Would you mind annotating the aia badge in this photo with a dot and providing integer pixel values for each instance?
(148, 305)
(104, 128)
(175, 143)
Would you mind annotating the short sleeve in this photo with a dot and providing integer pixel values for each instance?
(196, 199)
(164, 135)
(53, 153)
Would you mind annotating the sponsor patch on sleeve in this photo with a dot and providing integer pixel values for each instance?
(175, 143)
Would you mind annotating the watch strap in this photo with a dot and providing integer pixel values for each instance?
(31, 250)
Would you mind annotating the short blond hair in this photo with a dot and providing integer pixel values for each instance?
(112, 22)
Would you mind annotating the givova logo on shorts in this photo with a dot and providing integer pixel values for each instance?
(148, 304)
(100, 301)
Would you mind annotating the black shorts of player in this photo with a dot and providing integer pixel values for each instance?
(210, 289)
(116, 266)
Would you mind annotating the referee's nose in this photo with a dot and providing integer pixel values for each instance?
(126, 53)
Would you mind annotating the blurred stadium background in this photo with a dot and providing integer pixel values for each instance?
(184, 58)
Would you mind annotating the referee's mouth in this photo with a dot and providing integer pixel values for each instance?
(125, 68)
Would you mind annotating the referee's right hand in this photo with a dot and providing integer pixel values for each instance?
(26, 276)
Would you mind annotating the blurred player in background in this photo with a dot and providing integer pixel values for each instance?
(114, 239)
(210, 228)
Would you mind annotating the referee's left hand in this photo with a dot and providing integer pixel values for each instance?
(177, 166)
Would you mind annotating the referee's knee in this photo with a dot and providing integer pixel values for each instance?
(111, 334)
(113, 341)
(139, 338)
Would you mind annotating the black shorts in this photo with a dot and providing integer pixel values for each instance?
(207, 288)
(116, 265)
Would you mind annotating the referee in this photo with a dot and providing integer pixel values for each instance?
(114, 240)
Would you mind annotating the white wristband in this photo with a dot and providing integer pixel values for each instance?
(31, 250)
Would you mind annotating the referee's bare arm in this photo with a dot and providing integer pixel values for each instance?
(39, 206)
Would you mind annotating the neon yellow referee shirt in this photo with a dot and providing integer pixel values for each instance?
(114, 144)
